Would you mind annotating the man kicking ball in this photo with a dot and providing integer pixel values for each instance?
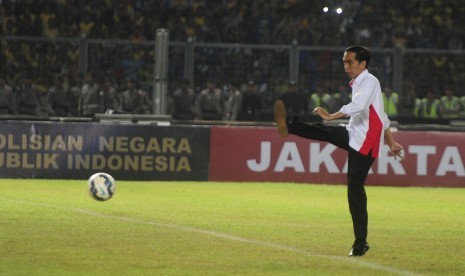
(361, 138)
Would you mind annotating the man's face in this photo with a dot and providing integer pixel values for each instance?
(352, 67)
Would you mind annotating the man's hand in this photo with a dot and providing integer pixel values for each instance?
(320, 111)
(397, 150)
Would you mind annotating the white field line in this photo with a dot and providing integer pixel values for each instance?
(353, 260)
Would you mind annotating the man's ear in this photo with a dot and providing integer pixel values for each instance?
(364, 64)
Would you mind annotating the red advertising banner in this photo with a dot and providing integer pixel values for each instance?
(434, 159)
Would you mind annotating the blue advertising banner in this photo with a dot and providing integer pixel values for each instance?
(126, 151)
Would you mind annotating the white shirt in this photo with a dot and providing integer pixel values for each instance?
(367, 117)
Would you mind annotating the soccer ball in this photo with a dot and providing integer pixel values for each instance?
(101, 186)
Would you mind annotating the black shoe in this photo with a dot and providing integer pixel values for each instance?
(280, 117)
(359, 249)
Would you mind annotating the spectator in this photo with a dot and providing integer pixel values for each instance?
(340, 98)
(391, 101)
(75, 91)
(132, 100)
(267, 98)
(296, 103)
(450, 105)
(234, 103)
(250, 105)
(86, 25)
(89, 99)
(183, 107)
(51, 29)
(107, 94)
(320, 98)
(25, 23)
(58, 98)
(210, 103)
(7, 98)
(429, 106)
(411, 103)
(28, 98)
(148, 103)
(131, 63)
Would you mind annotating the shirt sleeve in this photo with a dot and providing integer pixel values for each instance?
(386, 121)
(361, 100)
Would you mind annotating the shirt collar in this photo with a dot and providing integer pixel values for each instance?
(357, 79)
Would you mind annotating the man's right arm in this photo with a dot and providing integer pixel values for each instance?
(326, 116)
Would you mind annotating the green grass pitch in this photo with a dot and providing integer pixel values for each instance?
(53, 227)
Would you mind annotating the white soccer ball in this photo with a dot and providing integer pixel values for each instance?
(101, 186)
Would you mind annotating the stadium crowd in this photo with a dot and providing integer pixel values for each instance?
(412, 24)
(52, 84)
(245, 102)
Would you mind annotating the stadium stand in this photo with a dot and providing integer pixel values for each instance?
(433, 28)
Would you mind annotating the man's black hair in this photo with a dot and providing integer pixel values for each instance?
(361, 53)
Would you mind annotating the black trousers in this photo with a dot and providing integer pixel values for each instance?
(358, 168)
